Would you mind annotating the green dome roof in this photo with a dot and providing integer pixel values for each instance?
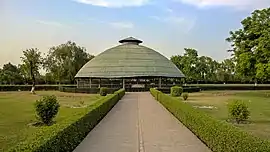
(129, 60)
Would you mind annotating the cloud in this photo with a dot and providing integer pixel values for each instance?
(169, 10)
(114, 3)
(122, 25)
(239, 4)
(185, 23)
(115, 24)
(51, 23)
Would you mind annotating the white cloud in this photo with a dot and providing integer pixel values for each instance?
(115, 24)
(169, 10)
(122, 25)
(51, 23)
(183, 23)
(114, 3)
(239, 4)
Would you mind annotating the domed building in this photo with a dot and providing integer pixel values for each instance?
(127, 65)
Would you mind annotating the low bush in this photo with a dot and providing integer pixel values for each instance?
(238, 111)
(86, 90)
(176, 91)
(103, 91)
(29, 87)
(69, 137)
(46, 109)
(185, 89)
(219, 136)
(185, 96)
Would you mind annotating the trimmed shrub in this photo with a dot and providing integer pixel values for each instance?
(238, 111)
(185, 96)
(28, 87)
(86, 90)
(185, 89)
(69, 137)
(219, 136)
(176, 91)
(103, 91)
(46, 109)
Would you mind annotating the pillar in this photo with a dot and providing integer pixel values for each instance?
(90, 82)
(99, 86)
(124, 85)
(159, 83)
(77, 81)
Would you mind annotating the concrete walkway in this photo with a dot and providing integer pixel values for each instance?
(138, 123)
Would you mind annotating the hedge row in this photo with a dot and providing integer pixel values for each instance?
(86, 90)
(68, 138)
(189, 88)
(234, 87)
(28, 87)
(185, 89)
(218, 135)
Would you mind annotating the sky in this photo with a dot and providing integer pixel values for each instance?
(168, 26)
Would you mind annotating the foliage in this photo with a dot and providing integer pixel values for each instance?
(31, 62)
(238, 111)
(176, 91)
(251, 46)
(28, 87)
(198, 68)
(68, 138)
(64, 61)
(185, 96)
(10, 74)
(219, 136)
(85, 90)
(46, 109)
(103, 91)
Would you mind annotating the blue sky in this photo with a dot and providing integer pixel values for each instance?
(165, 25)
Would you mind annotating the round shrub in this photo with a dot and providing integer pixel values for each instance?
(185, 96)
(238, 111)
(46, 109)
(103, 91)
(176, 91)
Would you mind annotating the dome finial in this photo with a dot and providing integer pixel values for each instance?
(131, 40)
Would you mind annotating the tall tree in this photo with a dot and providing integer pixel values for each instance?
(65, 60)
(187, 63)
(32, 62)
(251, 46)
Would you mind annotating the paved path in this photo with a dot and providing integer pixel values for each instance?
(138, 123)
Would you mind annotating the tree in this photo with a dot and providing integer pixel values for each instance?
(10, 74)
(187, 63)
(32, 61)
(251, 46)
(196, 67)
(24, 72)
(65, 60)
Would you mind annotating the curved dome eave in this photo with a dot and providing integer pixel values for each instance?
(131, 76)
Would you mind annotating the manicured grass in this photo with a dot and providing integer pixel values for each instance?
(17, 113)
(257, 101)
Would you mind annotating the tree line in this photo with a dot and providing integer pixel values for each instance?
(249, 63)
(250, 60)
(61, 64)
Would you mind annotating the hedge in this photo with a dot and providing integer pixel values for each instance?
(86, 90)
(218, 135)
(29, 87)
(68, 138)
(185, 89)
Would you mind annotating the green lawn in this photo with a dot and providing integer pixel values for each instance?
(258, 102)
(17, 113)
